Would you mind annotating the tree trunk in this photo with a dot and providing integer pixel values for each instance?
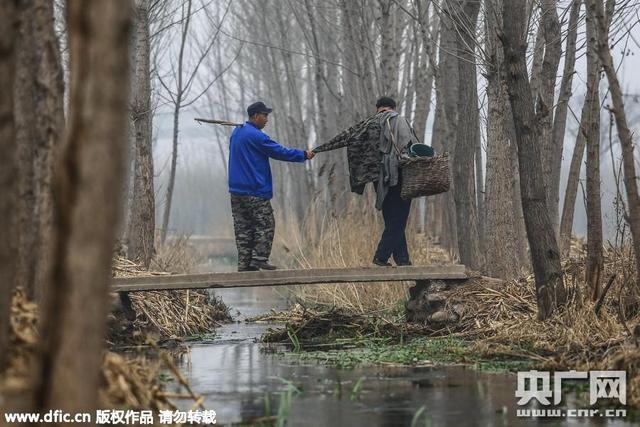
(545, 255)
(560, 116)
(468, 136)
(595, 261)
(571, 191)
(389, 49)
(39, 126)
(425, 75)
(448, 94)
(501, 236)
(8, 172)
(26, 139)
(141, 227)
(186, 19)
(552, 55)
(595, 8)
(86, 208)
(480, 194)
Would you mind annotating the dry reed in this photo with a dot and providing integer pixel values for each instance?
(126, 382)
(172, 314)
(350, 240)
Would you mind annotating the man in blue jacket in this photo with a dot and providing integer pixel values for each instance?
(251, 187)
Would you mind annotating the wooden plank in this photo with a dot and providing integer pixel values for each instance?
(290, 277)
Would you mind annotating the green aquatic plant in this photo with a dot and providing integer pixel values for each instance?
(357, 388)
(418, 351)
(279, 419)
(416, 417)
(295, 341)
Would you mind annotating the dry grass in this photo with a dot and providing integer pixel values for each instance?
(172, 314)
(350, 241)
(502, 321)
(175, 256)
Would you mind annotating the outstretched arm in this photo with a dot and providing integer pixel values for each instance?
(271, 148)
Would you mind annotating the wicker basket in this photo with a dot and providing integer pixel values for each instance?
(425, 176)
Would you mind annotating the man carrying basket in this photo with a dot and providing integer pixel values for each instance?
(383, 149)
(396, 136)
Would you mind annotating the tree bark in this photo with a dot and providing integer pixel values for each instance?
(141, 227)
(86, 208)
(560, 116)
(467, 135)
(501, 235)
(550, 63)
(39, 126)
(8, 172)
(429, 30)
(389, 49)
(445, 126)
(545, 255)
(571, 191)
(595, 263)
(186, 20)
(25, 133)
(595, 8)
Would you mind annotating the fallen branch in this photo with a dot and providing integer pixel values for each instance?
(218, 122)
(604, 293)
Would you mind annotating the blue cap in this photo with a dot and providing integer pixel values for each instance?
(258, 107)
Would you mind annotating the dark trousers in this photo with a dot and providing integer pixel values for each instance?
(393, 242)
(254, 227)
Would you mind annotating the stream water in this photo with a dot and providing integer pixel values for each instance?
(236, 374)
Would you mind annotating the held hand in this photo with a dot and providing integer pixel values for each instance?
(309, 154)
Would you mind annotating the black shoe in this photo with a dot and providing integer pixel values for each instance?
(403, 264)
(262, 265)
(250, 268)
(380, 263)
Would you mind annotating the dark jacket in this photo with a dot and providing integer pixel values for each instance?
(363, 156)
(370, 152)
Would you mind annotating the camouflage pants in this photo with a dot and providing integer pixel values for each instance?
(254, 226)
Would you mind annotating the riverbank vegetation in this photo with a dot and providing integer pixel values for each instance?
(166, 315)
(131, 381)
(497, 326)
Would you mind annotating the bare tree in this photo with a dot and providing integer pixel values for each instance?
(141, 224)
(571, 190)
(594, 267)
(549, 71)
(545, 255)
(501, 236)
(8, 171)
(429, 26)
(465, 15)
(390, 46)
(560, 115)
(446, 119)
(179, 96)
(39, 92)
(596, 9)
(87, 202)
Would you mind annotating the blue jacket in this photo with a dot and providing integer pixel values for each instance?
(249, 153)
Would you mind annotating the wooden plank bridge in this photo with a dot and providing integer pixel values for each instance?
(290, 277)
